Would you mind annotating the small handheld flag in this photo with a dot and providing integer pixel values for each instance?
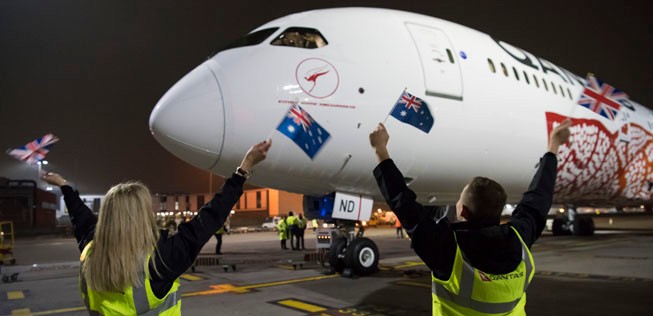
(413, 111)
(302, 129)
(35, 150)
(602, 98)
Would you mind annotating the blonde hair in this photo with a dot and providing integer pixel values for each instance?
(125, 235)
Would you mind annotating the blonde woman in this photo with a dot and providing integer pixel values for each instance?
(128, 266)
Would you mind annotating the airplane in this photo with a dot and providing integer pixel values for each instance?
(493, 106)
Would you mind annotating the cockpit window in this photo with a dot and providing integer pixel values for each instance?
(252, 39)
(301, 37)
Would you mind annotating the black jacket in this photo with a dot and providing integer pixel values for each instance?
(176, 253)
(489, 246)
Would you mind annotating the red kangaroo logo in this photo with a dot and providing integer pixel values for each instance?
(317, 72)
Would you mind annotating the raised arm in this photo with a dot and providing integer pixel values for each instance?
(529, 217)
(391, 182)
(432, 238)
(81, 217)
(178, 252)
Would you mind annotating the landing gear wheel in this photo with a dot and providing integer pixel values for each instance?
(584, 226)
(338, 246)
(560, 226)
(362, 256)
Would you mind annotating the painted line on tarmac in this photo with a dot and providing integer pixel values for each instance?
(299, 305)
(409, 264)
(27, 311)
(229, 288)
(592, 276)
(15, 295)
(191, 277)
(215, 289)
(21, 311)
(286, 267)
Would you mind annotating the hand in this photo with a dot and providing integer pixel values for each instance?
(255, 155)
(379, 141)
(559, 135)
(53, 178)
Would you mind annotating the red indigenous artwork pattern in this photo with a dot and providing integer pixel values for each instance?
(599, 167)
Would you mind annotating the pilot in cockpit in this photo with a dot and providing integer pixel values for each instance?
(301, 39)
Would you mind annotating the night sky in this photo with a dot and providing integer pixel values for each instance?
(91, 71)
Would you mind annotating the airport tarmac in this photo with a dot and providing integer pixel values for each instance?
(610, 273)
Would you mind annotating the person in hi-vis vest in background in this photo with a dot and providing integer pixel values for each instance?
(129, 266)
(478, 265)
(219, 233)
(282, 227)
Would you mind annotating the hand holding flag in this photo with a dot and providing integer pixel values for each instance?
(35, 150)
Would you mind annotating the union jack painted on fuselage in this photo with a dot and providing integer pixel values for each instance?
(602, 98)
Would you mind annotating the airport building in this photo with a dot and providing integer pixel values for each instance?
(254, 206)
(31, 209)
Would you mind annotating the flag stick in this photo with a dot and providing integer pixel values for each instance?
(271, 134)
(393, 106)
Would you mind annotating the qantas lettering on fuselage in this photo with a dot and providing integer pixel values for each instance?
(527, 59)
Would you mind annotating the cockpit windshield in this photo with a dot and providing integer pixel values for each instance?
(301, 37)
(252, 39)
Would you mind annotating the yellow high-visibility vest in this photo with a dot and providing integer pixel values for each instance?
(472, 292)
(132, 300)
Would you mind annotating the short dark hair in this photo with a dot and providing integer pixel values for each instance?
(485, 198)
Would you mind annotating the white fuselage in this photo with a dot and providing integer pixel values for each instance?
(486, 123)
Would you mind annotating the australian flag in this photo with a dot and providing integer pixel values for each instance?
(413, 111)
(299, 126)
(35, 150)
(602, 98)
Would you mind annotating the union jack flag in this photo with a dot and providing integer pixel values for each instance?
(310, 137)
(35, 150)
(602, 98)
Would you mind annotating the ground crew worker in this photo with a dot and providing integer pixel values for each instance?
(314, 224)
(218, 237)
(478, 266)
(400, 230)
(283, 232)
(128, 266)
(291, 223)
(301, 227)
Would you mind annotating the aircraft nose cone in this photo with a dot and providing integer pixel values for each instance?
(189, 119)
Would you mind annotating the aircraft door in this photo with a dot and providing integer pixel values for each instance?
(442, 76)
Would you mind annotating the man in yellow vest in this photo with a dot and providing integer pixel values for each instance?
(301, 227)
(218, 235)
(478, 266)
(291, 229)
(282, 227)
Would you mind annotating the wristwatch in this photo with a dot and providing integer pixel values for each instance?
(243, 173)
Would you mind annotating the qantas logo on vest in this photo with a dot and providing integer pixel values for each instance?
(486, 277)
